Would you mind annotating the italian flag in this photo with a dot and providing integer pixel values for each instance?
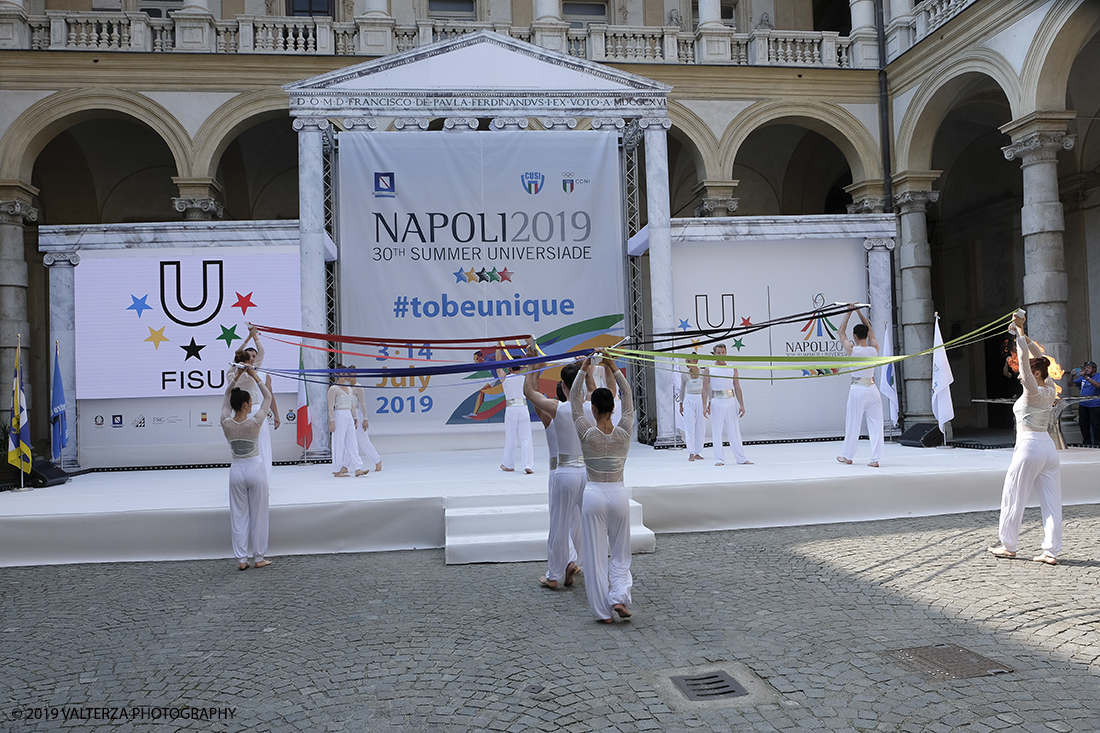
(305, 429)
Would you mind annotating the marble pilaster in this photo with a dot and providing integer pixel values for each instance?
(880, 293)
(660, 263)
(62, 279)
(1036, 142)
(917, 311)
(311, 227)
(13, 282)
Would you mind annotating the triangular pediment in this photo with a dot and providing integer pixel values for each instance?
(480, 61)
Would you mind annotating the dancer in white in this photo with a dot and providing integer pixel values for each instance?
(254, 356)
(863, 395)
(567, 479)
(1035, 464)
(517, 421)
(605, 508)
(342, 407)
(361, 434)
(724, 404)
(691, 394)
(248, 484)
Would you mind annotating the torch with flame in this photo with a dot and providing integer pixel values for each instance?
(1055, 370)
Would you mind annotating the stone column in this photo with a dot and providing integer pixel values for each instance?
(879, 292)
(198, 199)
(712, 43)
(14, 30)
(917, 310)
(710, 12)
(864, 35)
(376, 26)
(715, 198)
(660, 262)
(311, 227)
(548, 29)
(547, 9)
(13, 286)
(62, 278)
(195, 27)
(867, 197)
(1036, 141)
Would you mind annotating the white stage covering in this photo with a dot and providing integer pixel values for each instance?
(184, 514)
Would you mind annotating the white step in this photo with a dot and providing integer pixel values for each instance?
(513, 529)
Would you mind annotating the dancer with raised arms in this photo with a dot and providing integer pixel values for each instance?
(254, 357)
(517, 420)
(863, 396)
(1035, 464)
(248, 482)
(605, 508)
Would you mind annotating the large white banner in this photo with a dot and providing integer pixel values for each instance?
(474, 235)
(724, 284)
(156, 329)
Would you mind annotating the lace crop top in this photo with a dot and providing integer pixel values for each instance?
(1035, 406)
(244, 436)
(690, 384)
(604, 455)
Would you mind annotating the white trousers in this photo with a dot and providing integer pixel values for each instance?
(367, 447)
(264, 442)
(517, 423)
(345, 452)
(605, 519)
(248, 506)
(1034, 466)
(724, 418)
(695, 423)
(863, 401)
(566, 495)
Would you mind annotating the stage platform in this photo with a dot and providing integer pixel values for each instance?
(184, 514)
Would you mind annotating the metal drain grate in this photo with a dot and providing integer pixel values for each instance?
(715, 686)
(945, 662)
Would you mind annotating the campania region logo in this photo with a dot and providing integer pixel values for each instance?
(532, 182)
(384, 185)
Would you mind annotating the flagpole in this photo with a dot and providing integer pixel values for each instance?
(19, 381)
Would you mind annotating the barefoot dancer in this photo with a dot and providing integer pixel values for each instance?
(254, 356)
(695, 422)
(1035, 462)
(725, 405)
(361, 434)
(567, 479)
(342, 406)
(517, 421)
(605, 508)
(248, 484)
(863, 395)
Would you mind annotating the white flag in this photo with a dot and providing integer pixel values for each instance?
(941, 381)
(887, 378)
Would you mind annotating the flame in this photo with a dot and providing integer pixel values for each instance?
(1055, 370)
(1013, 358)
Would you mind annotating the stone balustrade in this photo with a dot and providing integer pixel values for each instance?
(925, 18)
(321, 36)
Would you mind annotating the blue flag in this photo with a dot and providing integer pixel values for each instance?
(58, 421)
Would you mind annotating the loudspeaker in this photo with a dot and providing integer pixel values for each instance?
(922, 435)
(44, 473)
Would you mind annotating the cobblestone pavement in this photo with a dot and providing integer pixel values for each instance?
(401, 642)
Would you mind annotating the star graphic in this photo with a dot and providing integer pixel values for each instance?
(139, 304)
(737, 344)
(746, 321)
(483, 276)
(244, 302)
(193, 349)
(494, 276)
(471, 276)
(157, 336)
(685, 324)
(460, 275)
(505, 275)
(229, 335)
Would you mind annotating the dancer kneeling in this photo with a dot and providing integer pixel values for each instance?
(605, 508)
(1035, 459)
(248, 484)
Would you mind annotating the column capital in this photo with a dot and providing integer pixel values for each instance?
(867, 206)
(17, 212)
(879, 244)
(713, 206)
(198, 208)
(412, 124)
(867, 197)
(509, 123)
(61, 259)
(914, 181)
(319, 124)
(460, 124)
(598, 123)
(364, 123)
(647, 123)
(912, 201)
(1039, 146)
(551, 122)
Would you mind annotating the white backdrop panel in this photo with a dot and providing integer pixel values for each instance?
(474, 235)
(734, 283)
